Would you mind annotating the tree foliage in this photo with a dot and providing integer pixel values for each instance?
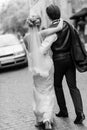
(13, 17)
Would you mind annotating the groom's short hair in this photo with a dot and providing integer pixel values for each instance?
(53, 12)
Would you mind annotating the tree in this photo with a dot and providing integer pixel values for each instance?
(14, 16)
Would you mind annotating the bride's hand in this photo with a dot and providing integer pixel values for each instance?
(60, 24)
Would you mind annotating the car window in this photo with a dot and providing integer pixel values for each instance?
(8, 40)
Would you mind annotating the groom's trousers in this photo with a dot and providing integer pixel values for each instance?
(65, 67)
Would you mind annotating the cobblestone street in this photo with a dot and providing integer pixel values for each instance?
(16, 102)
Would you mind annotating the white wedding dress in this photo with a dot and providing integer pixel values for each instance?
(41, 65)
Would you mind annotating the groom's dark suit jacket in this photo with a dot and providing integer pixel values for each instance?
(68, 44)
(63, 43)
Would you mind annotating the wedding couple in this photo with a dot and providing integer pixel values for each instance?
(48, 69)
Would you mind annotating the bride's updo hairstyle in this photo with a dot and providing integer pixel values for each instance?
(34, 21)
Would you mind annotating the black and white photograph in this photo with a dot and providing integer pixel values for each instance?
(43, 64)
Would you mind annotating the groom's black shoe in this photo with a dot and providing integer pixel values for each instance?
(62, 114)
(79, 119)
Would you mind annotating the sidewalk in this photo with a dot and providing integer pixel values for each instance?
(16, 103)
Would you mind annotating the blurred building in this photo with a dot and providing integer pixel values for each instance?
(67, 7)
(78, 4)
(40, 6)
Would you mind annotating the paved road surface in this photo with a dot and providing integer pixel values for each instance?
(16, 102)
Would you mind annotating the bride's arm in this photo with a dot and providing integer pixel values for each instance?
(52, 30)
(46, 44)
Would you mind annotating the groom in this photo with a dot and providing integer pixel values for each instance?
(64, 66)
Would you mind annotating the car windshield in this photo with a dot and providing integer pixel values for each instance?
(8, 40)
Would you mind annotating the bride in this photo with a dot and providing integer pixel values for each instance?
(41, 65)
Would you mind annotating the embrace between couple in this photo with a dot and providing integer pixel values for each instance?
(48, 69)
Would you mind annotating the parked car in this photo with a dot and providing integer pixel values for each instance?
(12, 51)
